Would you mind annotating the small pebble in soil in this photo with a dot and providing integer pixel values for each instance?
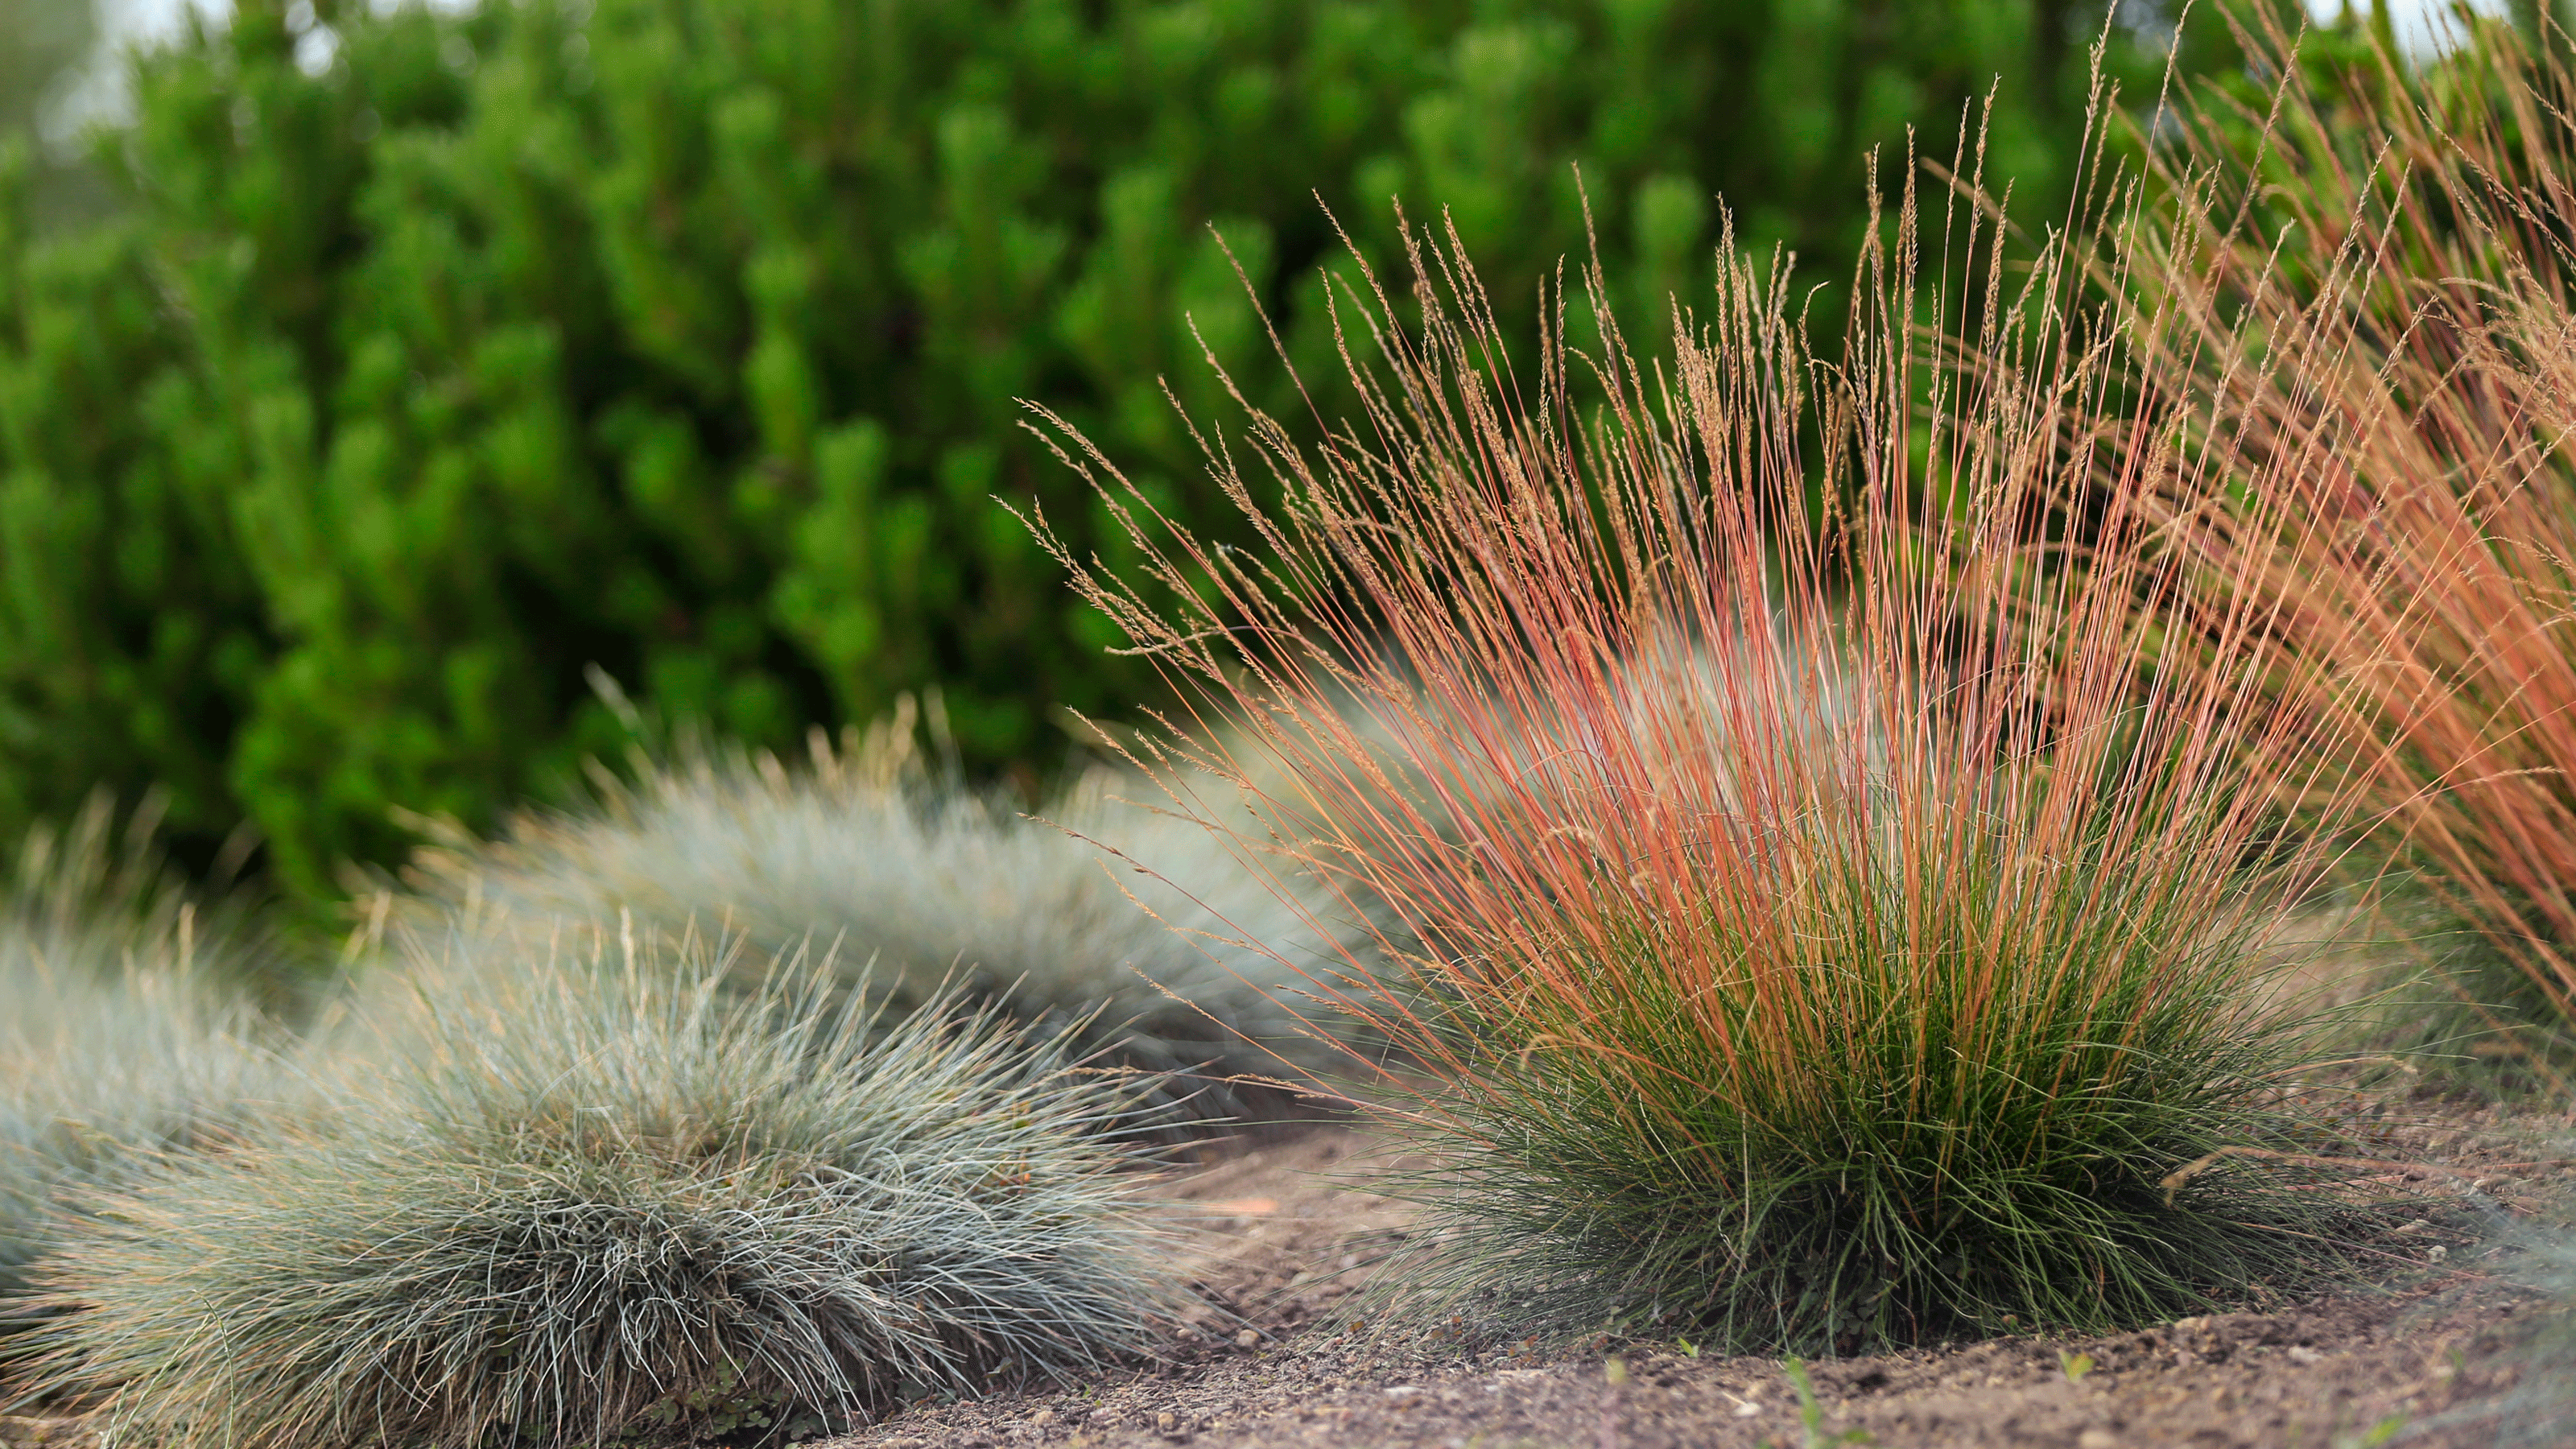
(1247, 1339)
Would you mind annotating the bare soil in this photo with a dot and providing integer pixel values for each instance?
(2439, 1351)
(2450, 1346)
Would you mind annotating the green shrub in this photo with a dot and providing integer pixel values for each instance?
(48, 39)
(1120, 932)
(124, 1043)
(684, 337)
(569, 1203)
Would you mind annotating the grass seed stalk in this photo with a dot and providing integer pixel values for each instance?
(2370, 276)
(1833, 906)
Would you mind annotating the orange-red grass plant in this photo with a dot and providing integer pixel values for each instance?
(2373, 278)
(1835, 916)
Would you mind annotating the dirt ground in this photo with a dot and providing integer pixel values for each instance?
(2440, 1352)
(2451, 1346)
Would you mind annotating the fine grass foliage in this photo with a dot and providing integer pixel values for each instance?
(126, 1046)
(1836, 914)
(613, 1201)
(2371, 274)
(1118, 927)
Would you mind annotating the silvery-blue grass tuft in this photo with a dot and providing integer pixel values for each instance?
(569, 1200)
(125, 1045)
(1118, 929)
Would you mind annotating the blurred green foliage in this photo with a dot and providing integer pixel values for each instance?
(43, 39)
(429, 359)
(45, 50)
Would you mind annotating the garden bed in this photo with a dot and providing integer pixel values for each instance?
(2438, 1344)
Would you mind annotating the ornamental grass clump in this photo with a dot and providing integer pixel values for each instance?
(1837, 912)
(1115, 930)
(2371, 274)
(126, 1046)
(612, 1201)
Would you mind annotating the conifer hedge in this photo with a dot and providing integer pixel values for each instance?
(433, 358)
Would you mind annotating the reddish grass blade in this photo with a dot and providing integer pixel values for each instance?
(2372, 281)
(1834, 902)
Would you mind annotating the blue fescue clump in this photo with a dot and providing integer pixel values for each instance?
(126, 1048)
(1127, 935)
(578, 1203)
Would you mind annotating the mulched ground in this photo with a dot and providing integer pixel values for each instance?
(2442, 1352)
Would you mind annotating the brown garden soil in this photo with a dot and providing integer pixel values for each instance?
(2441, 1342)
